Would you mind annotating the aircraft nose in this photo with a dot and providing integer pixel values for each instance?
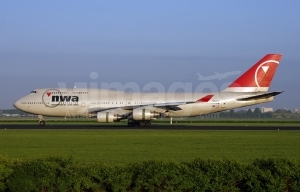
(17, 104)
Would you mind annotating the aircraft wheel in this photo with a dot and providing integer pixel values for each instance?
(137, 124)
(148, 123)
(42, 123)
(130, 124)
(142, 124)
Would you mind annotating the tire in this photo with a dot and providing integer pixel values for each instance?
(130, 124)
(142, 124)
(148, 123)
(42, 123)
(137, 123)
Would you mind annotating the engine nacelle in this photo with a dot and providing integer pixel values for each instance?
(144, 114)
(107, 117)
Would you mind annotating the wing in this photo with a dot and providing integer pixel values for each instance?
(161, 107)
(127, 109)
(170, 105)
(100, 109)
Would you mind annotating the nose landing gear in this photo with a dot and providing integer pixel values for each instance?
(41, 120)
(42, 123)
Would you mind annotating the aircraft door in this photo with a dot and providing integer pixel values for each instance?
(128, 102)
(223, 100)
(47, 102)
(223, 104)
(83, 103)
(71, 106)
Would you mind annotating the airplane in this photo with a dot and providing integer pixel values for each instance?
(217, 75)
(141, 108)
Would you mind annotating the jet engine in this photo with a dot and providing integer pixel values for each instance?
(144, 114)
(107, 117)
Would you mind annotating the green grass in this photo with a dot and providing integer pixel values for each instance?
(231, 124)
(191, 121)
(115, 147)
(156, 123)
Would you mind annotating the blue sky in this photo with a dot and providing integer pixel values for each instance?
(44, 43)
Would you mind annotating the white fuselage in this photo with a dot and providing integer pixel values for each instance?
(87, 102)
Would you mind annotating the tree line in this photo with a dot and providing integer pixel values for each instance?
(256, 113)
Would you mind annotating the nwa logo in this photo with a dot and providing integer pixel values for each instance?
(54, 97)
(265, 72)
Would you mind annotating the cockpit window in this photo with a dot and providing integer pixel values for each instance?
(33, 92)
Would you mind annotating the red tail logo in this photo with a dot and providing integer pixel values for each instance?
(258, 77)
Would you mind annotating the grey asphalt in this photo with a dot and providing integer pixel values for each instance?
(153, 127)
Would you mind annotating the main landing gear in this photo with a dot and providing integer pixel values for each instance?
(133, 123)
(41, 120)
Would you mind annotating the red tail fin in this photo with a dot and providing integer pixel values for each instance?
(258, 77)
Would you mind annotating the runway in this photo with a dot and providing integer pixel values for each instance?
(153, 127)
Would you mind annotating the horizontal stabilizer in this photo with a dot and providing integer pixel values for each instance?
(261, 96)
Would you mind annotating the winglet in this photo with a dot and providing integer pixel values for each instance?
(258, 77)
(205, 99)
